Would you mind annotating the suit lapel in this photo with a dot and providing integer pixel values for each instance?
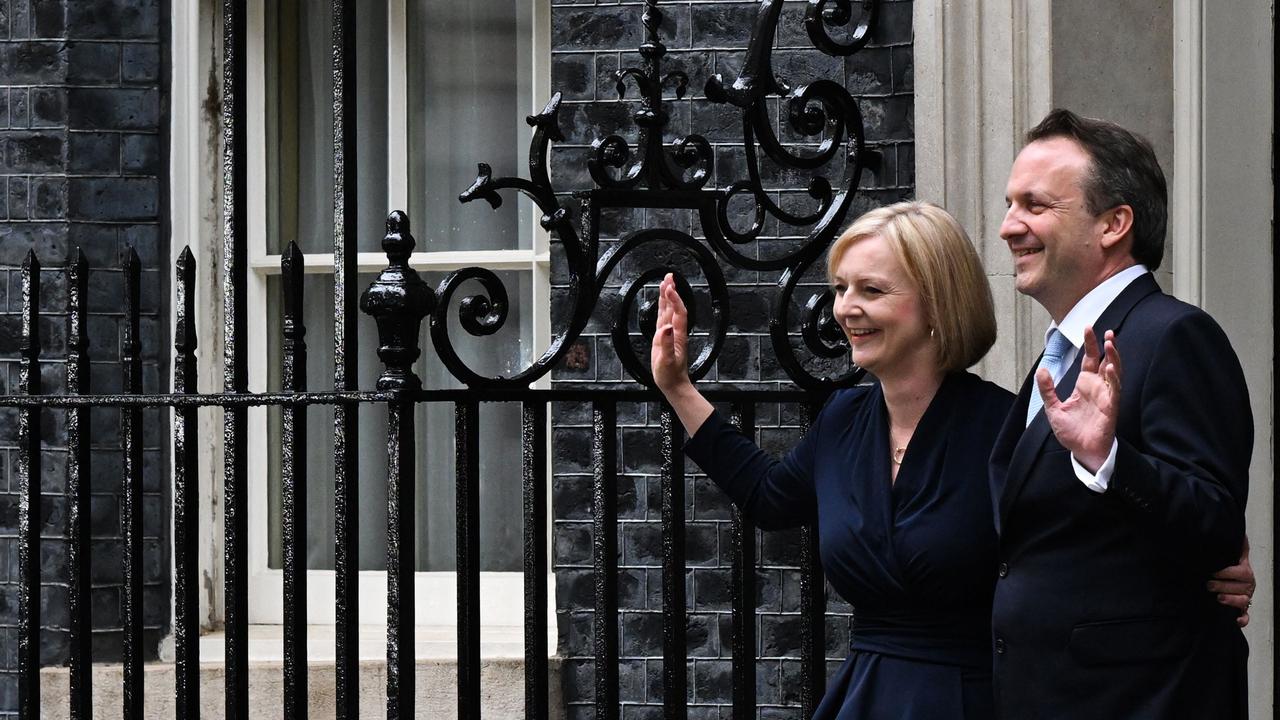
(1027, 445)
(1017, 451)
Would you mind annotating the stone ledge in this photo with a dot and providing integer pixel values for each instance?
(501, 682)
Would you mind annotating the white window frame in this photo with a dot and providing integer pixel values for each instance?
(501, 592)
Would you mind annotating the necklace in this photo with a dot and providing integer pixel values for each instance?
(898, 454)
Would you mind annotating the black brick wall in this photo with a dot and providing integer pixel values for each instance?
(589, 43)
(83, 163)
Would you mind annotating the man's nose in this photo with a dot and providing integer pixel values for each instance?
(1012, 226)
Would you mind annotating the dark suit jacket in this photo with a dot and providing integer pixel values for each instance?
(1100, 608)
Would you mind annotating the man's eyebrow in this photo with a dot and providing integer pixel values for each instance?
(1032, 194)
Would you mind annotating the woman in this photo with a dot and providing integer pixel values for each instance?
(895, 473)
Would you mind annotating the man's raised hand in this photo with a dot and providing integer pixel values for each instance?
(1085, 423)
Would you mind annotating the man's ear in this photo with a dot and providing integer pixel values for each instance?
(1117, 226)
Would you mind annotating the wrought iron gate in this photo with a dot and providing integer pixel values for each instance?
(653, 174)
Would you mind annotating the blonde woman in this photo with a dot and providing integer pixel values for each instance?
(894, 472)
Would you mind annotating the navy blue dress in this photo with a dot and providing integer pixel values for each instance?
(916, 557)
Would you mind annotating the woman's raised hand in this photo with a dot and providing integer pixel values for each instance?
(669, 356)
(669, 359)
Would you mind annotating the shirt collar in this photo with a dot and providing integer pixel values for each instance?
(1089, 309)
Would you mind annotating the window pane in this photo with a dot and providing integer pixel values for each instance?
(503, 353)
(299, 142)
(500, 459)
(470, 74)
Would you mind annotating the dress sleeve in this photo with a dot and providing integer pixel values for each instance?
(775, 494)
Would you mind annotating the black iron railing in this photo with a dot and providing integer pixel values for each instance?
(656, 174)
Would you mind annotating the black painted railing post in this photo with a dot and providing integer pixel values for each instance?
(235, 374)
(604, 512)
(744, 592)
(467, 496)
(398, 300)
(78, 432)
(813, 608)
(186, 486)
(131, 507)
(534, 462)
(674, 629)
(346, 486)
(29, 512)
(293, 472)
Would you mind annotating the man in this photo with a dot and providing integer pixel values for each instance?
(1121, 475)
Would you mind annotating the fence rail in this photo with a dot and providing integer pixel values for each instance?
(534, 404)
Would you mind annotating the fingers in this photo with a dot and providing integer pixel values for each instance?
(679, 316)
(1092, 355)
(673, 295)
(1241, 588)
(1044, 383)
(671, 310)
(662, 338)
(1240, 603)
(1234, 586)
(1113, 354)
(1235, 573)
(1112, 377)
(664, 304)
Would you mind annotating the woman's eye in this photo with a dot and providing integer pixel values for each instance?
(838, 289)
(872, 290)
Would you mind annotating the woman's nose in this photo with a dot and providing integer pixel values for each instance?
(843, 305)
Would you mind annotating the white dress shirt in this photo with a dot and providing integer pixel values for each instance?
(1084, 314)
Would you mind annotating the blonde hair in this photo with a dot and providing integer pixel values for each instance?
(938, 257)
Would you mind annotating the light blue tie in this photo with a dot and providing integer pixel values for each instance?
(1055, 348)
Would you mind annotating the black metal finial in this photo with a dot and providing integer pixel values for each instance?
(29, 344)
(654, 166)
(652, 19)
(131, 344)
(291, 266)
(77, 291)
(398, 300)
(184, 335)
(398, 243)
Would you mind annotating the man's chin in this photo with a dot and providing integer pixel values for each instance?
(1025, 284)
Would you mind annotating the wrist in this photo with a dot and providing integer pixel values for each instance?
(678, 389)
(1092, 460)
(1090, 463)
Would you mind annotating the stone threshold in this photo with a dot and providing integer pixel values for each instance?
(501, 677)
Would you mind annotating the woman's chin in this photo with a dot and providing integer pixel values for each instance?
(866, 361)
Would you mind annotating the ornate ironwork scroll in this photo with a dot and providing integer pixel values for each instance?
(655, 174)
(825, 137)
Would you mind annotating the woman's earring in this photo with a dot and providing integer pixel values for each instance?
(930, 332)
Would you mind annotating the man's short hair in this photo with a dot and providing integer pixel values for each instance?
(938, 257)
(1123, 171)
